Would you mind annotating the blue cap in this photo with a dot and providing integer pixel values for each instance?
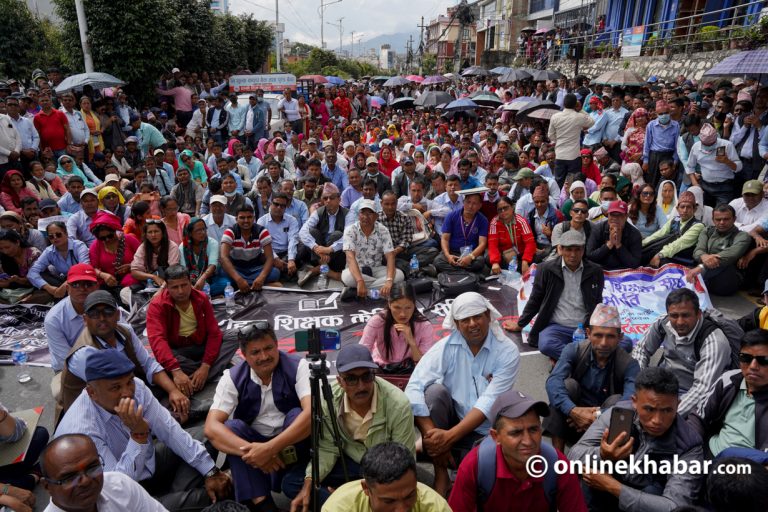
(107, 364)
(354, 356)
(653, 79)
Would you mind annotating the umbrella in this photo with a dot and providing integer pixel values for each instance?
(528, 29)
(513, 75)
(545, 30)
(536, 110)
(752, 62)
(318, 79)
(379, 79)
(520, 103)
(404, 102)
(381, 100)
(335, 80)
(546, 74)
(432, 98)
(500, 70)
(434, 79)
(395, 81)
(415, 78)
(95, 80)
(486, 99)
(462, 104)
(475, 71)
(622, 77)
(377, 102)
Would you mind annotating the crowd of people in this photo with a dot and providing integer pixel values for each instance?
(176, 202)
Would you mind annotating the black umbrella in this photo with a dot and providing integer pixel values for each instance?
(514, 75)
(433, 98)
(547, 74)
(534, 110)
(404, 102)
(475, 71)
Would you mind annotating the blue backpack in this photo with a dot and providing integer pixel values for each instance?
(486, 472)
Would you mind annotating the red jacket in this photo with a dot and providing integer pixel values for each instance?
(499, 240)
(526, 495)
(163, 328)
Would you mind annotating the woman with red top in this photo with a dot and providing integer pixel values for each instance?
(112, 252)
(588, 166)
(509, 236)
(13, 189)
(387, 162)
(138, 216)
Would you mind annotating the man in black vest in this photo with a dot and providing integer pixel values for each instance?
(746, 138)
(589, 377)
(321, 237)
(268, 398)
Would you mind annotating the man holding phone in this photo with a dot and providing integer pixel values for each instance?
(718, 162)
(656, 432)
(260, 414)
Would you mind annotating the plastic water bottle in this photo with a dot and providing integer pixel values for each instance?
(414, 266)
(322, 281)
(207, 290)
(579, 335)
(513, 266)
(229, 299)
(20, 359)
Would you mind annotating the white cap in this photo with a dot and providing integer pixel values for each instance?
(366, 203)
(88, 191)
(112, 178)
(175, 70)
(218, 199)
(347, 144)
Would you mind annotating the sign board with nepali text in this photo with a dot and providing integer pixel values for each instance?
(273, 82)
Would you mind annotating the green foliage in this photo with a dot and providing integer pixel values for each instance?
(429, 64)
(323, 62)
(301, 49)
(708, 33)
(27, 42)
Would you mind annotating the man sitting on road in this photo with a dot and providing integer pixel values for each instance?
(696, 349)
(565, 292)
(659, 433)
(389, 481)
(184, 333)
(74, 476)
(589, 377)
(366, 243)
(260, 409)
(516, 434)
(614, 243)
(455, 384)
(369, 411)
(464, 237)
(676, 240)
(246, 253)
(118, 412)
(284, 231)
(718, 251)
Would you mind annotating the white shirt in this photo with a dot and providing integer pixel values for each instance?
(270, 420)
(565, 131)
(746, 219)
(118, 494)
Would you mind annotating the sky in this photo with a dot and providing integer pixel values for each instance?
(302, 21)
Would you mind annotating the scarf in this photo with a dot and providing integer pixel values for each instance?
(196, 263)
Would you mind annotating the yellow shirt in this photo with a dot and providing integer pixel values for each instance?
(350, 497)
(357, 426)
(187, 321)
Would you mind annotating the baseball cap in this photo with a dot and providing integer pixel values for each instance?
(107, 364)
(82, 272)
(371, 160)
(737, 81)
(513, 404)
(175, 70)
(367, 203)
(88, 191)
(102, 297)
(752, 187)
(111, 178)
(159, 152)
(47, 203)
(407, 160)
(572, 238)
(523, 173)
(354, 356)
(218, 199)
(312, 140)
(618, 206)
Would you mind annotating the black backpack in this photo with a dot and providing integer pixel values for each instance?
(714, 319)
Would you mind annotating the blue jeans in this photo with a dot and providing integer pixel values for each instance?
(293, 481)
(251, 273)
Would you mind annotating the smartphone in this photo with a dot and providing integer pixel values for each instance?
(288, 455)
(621, 421)
(720, 151)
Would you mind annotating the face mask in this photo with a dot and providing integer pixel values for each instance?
(230, 194)
(527, 131)
(604, 205)
(663, 118)
(708, 148)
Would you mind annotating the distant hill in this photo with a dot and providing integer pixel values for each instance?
(398, 41)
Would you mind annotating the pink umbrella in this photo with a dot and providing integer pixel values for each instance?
(318, 79)
(435, 79)
(375, 103)
(415, 78)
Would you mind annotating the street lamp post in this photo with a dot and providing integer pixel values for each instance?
(321, 11)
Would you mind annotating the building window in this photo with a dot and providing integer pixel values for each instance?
(540, 5)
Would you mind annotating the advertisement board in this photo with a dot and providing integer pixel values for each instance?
(273, 82)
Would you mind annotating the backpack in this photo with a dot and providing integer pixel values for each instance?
(486, 472)
(620, 363)
(456, 282)
(714, 319)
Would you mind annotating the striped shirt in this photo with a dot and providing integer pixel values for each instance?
(113, 439)
(246, 251)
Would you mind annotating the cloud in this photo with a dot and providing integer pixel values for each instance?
(372, 18)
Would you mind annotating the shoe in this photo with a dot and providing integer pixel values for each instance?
(304, 279)
(430, 270)
(348, 294)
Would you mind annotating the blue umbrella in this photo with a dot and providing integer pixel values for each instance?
(754, 62)
(461, 104)
(336, 80)
(381, 100)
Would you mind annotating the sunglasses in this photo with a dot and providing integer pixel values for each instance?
(83, 284)
(354, 380)
(503, 209)
(646, 194)
(56, 235)
(579, 210)
(251, 331)
(748, 358)
(279, 205)
(100, 313)
(66, 162)
(106, 238)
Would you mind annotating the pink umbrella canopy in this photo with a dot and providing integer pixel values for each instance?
(435, 79)
(415, 78)
(318, 79)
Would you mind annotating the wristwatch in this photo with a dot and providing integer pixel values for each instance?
(215, 471)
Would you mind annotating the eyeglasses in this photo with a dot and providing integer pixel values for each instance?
(354, 380)
(502, 209)
(579, 210)
(100, 313)
(253, 330)
(748, 358)
(83, 284)
(646, 194)
(56, 235)
(95, 470)
(279, 205)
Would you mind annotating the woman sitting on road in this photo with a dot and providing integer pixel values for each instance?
(112, 252)
(400, 335)
(16, 258)
(49, 272)
(200, 255)
(154, 255)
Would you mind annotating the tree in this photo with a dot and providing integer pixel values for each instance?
(27, 42)
(258, 39)
(429, 64)
(125, 39)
